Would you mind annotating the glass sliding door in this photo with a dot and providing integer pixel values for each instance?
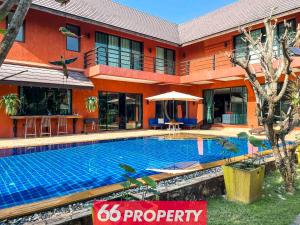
(125, 53)
(118, 52)
(113, 51)
(120, 111)
(208, 106)
(225, 105)
(165, 61)
(137, 55)
(133, 111)
(160, 60)
(109, 111)
(170, 62)
(101, 46)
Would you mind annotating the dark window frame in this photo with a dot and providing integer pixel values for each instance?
(23, 33)
(125, 93)
(263, 31)
(119, 46)
(165, 58)
(78, 39)
(49, 88)
(245, 103)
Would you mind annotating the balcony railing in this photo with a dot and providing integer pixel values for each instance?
(129, 60)
(138, 61)
(220, 61)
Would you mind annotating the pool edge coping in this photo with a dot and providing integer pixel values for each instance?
(27, 209)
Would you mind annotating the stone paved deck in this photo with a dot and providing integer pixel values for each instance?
(21, 142)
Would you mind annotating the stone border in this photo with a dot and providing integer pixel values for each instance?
(195, 186)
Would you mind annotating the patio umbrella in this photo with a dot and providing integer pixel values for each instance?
(174, 96)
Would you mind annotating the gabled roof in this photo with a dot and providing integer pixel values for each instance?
(113, 14)
(232, 16)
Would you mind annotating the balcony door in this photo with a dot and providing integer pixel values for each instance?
(118, 52)
(165, 61)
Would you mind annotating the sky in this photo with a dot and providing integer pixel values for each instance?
(177, 11)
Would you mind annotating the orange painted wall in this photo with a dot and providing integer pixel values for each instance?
(44, 43)
(5, 121)
(201, 54)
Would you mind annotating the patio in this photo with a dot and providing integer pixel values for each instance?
(110, 135)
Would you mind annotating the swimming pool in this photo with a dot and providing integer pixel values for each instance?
(39, 173)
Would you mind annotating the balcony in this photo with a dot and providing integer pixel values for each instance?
(114, 64)
(218, 67)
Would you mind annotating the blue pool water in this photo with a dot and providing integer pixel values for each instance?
(33, 174)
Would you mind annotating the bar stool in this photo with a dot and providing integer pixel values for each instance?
(30, 125)
(45, 126)
(62, 126)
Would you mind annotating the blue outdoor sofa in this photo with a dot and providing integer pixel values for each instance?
(153, 123)
(188, 123)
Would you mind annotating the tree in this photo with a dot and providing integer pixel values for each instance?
(276, 69)
(21, 9)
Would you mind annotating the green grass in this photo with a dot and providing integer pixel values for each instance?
(275, 208)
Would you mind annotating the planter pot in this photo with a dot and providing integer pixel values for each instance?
(243, 185)
(298, 153)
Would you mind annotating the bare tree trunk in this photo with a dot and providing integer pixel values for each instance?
(14, 26)
(284, 158)
(270, 95)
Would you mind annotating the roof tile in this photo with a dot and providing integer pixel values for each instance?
(229, 17)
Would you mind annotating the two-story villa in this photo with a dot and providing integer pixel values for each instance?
(125, 56)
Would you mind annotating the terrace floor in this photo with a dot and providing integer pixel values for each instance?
(109, 135)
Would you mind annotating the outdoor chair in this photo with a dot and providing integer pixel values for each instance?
(153, 123)
(30, 127)
(62, 126)
(93, 123)
(190, 123)
(45, 126)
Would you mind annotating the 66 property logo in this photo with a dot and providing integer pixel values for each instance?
(149, 212)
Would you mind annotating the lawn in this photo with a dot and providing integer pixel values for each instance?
(275, 207)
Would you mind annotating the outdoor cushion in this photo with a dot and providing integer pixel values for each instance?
(153, 122)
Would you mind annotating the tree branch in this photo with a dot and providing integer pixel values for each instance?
(5, 8)
(13, 28)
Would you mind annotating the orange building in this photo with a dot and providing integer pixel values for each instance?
(124, 56)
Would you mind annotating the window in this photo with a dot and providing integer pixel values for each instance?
(225, 105)
(280, 31)
(119, 52)
(120, 110)
(45, 101)
(21, 35)
(242, 47)
(165, 61)
(73, 43)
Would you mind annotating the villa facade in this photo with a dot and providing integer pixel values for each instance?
(125, 56)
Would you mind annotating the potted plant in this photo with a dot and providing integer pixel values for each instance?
(11, 102)
(298, 148)
(244, 179)
(91, 103)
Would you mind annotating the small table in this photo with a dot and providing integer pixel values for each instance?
(173, 125)
(16, 118)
